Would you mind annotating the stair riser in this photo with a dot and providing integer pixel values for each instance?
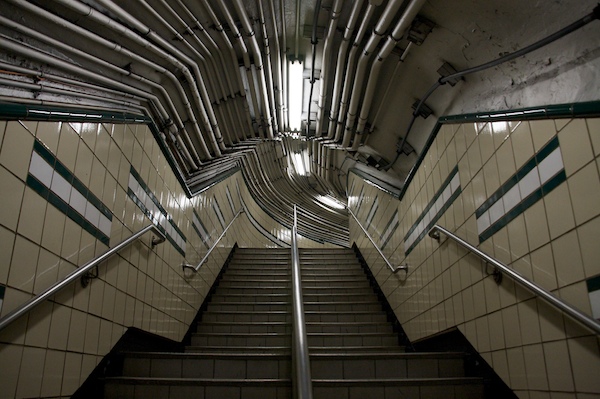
(245, 328)
(237, 341)
(343, 307)
(144, 391)
(336, 317)
(219, 298)
(395, 391)
(207, 368)
(349, 329)
(351, 340)
(339, 368)
(246, 317)
(262, 307)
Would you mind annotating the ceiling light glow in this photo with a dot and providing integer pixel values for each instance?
(296, 85)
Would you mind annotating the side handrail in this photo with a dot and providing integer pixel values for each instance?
(76, 274)
(394, 269)
(199, 265)
(571, 311)
(301, 361)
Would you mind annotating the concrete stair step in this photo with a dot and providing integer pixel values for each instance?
(207, 388)
(339, 297)
(241, 290)
(352, 339)
(241, 339)
(244, 327)
(340, 316)
(371, 365)
(373, 306)
(219, 297)
(414, 388)
(392, 349)
(348, 327)
(240, 282)
(271, 365)
(282, 350)
(235, 316)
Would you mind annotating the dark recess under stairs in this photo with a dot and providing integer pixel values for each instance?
(241, 347)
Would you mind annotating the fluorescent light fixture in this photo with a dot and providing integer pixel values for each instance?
(330, 201)
(295, 85)
(299, 163)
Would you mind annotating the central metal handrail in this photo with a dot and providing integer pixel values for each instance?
(394, 269)
(199, 265)
(573, 312)
(76, 274)
(301, 361)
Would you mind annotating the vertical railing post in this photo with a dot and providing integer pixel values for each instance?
(301, 363)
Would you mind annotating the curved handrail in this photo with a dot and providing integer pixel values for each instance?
(573, 312)
(303, 382)
(76, 274)
(197, 267)
(387, 261)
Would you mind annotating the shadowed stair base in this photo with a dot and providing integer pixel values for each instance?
(242, 346)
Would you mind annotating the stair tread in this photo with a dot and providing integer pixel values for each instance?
(407, 381)
(206, 355)
(201, 381)
(383, 354)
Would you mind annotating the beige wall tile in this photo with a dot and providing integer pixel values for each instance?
(11, 197)
(15, 153)
(536, 367)
(567, 258)
(588, 236)
(593, 125)
(585, 363)
(584, 188)
(68, 144)
(23, 265)
(53, 372)
(522, 143)
(541, 132)
(575, 146)
(559, 211)
(30, 377)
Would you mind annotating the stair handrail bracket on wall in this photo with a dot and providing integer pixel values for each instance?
(300, 358)
(558, 303)
(79, 273)
(187, 266)
(394, 269)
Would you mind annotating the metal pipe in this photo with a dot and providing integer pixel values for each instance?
(303, 382)
(571, 311)
(76, 274)
(350, 70)
(205, 258)
(258, 62)
(195, 80)
(234, 62)
(277, 69)
(323, 79)
(313, 41)
(284, 65)
(394, 269)
(397, 34)
(382, 25)
(268, 66)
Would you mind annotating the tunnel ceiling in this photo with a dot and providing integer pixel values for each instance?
(214, 76)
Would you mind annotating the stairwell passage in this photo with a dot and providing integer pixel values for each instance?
(242, 346)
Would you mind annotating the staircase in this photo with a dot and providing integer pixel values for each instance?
(242, 346)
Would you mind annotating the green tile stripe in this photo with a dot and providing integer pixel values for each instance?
(593, 283)
(217, 209)
(148, 212)
(65, 208)
(361, 196)
(436, 217)
(527, 202)
(230, 199)
(390, 229)
(201, 229)
(62, 170)
(520, 174)
(372, 212)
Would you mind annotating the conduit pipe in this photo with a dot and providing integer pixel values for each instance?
(77, 70)
(268, 67)
(397, 34)
(258, 62)
(234, 61)
(215, 71)
(284, 65)
(117, 48)
(277, 69)
(313, 41)
(201, 97)
(335, 13)
(226, 73)
(382, 25)
(350, 68)
(339, 67)
(247, 65)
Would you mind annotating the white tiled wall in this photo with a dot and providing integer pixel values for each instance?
(50, 352)
(552, 239)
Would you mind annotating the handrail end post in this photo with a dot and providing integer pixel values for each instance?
(157, 240)
(434, 233)
(186, 266)
(403, 268)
